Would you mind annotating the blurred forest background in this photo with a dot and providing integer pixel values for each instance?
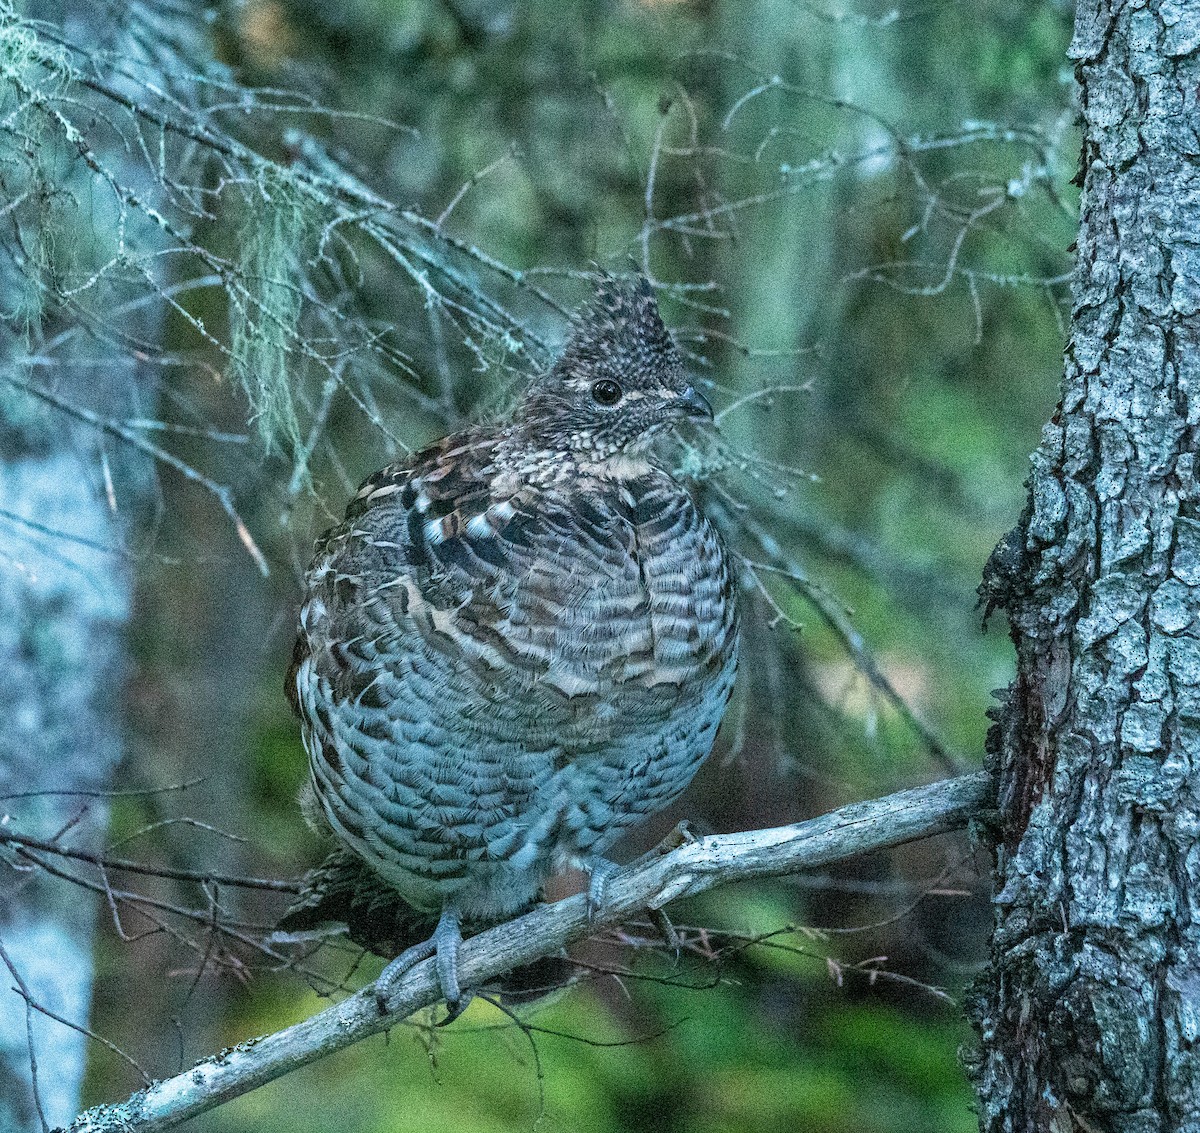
(257, 249)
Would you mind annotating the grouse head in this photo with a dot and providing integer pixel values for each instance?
(618, 381)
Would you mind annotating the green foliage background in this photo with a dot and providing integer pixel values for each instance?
(882, 197)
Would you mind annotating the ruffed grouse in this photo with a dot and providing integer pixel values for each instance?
(521, 640)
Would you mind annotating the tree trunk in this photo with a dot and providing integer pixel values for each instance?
(62, 607)
(1091, 1006)
(65, 594)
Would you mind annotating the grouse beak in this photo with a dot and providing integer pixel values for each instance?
(695, 404)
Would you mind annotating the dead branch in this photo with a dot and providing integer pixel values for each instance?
(656, 879)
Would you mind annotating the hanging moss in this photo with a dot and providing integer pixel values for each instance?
(32, 74)
(265, 309)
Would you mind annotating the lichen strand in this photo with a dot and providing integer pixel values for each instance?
(266, 304)
(1088, 1015)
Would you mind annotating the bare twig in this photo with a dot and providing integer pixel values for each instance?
(22, 989)
(121, 865)
(221, 492)
(837, 621)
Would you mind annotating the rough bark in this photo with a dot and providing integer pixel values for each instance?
(1090, 1011)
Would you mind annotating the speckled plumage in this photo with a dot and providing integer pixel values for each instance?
(521, 640)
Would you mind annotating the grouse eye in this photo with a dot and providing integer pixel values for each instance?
(606, 392)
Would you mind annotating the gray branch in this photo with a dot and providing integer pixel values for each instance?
(706, 863)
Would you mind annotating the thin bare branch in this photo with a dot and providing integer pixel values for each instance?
(22, 989)
(221, 492)
(121, 865)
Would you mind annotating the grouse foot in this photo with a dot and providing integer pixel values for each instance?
(444, 944)
(599, 870)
